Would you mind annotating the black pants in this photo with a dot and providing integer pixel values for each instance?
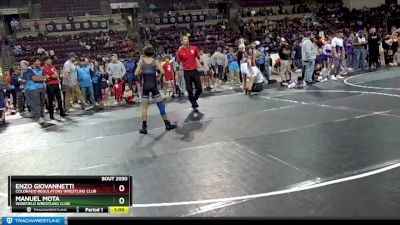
(374, 57)
(21, 101)
(193, 77)
(53, 90)
(220, 72)
(257, 87)
(14, 97)
(96, 92)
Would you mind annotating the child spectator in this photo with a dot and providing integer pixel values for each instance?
(118, 90)
(168, 77)
(96, 80)
(104, 85)
(128, 94)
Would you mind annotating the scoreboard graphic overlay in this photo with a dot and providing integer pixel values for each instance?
(70, 194)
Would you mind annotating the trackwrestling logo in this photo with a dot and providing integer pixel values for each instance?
(33, 220)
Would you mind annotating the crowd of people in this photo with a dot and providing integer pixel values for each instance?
(245, 59)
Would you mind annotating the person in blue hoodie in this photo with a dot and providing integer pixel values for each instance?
(130, 67)
(96, 83)
(85, 80)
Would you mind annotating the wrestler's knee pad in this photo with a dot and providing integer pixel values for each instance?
(161, 107)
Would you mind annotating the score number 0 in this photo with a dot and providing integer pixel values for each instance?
(121, 200)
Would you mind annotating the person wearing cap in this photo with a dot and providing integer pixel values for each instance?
(338, 55)
(70, 81)
(309, 54)
(52, 87)
(359, 44)
(188, 56)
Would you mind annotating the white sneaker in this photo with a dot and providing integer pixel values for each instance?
(333, 77)
(41, 120)
(339, 77)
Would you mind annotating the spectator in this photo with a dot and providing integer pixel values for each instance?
(205, 68)
(22, 96)
(220, 61)
(338, 56)
(233, 68)
(104, 84)
(116, 69)
(168, 77)
(130, 67)
(309, 54)
(41, 51)
(35, 89)
(348, 45)
(374, 42)
(359, 44)
(84, 70)
(70, 81)
(96, 81)
(2, 100)
(36, 26)
(14, 25)
(297, 56)
(397, 57)
(284, 55)
(52, 87)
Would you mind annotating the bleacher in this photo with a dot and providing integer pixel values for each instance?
(62, 48)
(64, 8)
(170, 38)
(259, 3)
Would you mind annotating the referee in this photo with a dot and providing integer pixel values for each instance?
(187, 55)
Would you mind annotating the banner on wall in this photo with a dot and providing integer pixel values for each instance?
(8, 11)
(76, 26)
(179, 19)
(124, 5)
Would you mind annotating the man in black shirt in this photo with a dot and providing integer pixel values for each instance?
(373, 45)
(284, 55)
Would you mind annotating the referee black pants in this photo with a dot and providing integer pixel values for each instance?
(192, 77)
